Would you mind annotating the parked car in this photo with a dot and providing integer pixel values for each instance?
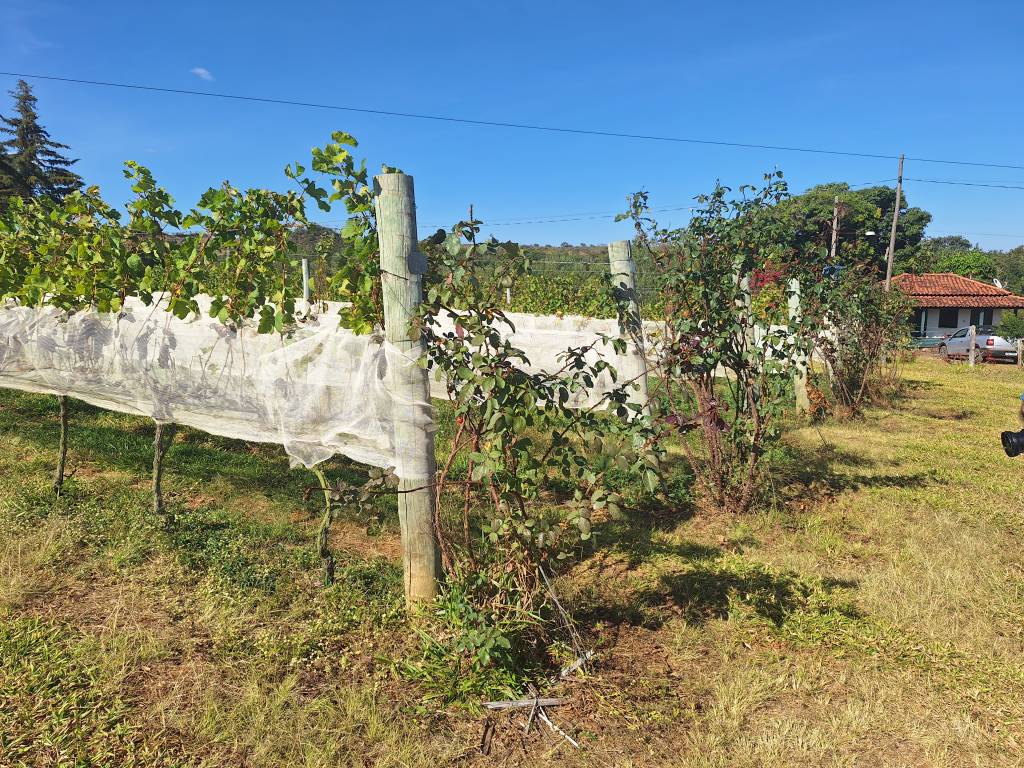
(926, 342)
(988, 346)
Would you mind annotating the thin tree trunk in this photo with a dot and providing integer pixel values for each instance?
(323, 538)
(159, 449)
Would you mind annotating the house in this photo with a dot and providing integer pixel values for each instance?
(944, 302)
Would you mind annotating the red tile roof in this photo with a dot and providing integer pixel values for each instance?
(945, 289)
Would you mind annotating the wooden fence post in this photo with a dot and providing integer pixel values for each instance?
(305, 282)
(631, 366)
(803, 402)
(1020, 353)
(402, 267)
(974, 338)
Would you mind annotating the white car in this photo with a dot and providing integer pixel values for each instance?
(987, 345)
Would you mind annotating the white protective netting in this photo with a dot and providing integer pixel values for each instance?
(319, 391)
(545, 338)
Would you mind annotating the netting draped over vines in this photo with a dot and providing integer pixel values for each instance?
(318, 391)
(191, 317)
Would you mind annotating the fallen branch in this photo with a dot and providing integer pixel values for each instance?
(523, 703)
(543, 716)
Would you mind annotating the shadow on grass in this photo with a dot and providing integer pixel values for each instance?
(803, 473)
(638, 540)
(721, 588)
(126, 443)
(207, 536)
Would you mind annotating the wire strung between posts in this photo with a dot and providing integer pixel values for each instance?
(966, 183)
(502, 123)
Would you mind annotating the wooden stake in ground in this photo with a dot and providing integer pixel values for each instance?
(402, 267)
(631, 366)
(62, 451)
(1020, 353)
(895, 219)
(974, 344)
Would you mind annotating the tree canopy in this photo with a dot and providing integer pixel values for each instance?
(864, 223)
(31, 163)
(971, 263)
(955, 253)
(1010, 268)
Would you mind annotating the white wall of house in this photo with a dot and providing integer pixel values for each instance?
(933, 329)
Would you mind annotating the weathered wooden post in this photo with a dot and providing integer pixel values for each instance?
(631, 366)
(1020, 353)
(974, 339)
(402, 267)
(803, 402)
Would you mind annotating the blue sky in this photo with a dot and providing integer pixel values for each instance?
(938, 79)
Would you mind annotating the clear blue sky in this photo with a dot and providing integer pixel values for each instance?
(939, 79)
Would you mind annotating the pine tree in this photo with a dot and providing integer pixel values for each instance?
(31, 163)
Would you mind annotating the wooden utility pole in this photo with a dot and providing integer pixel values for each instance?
(402, 267)
(835, 229)
(633, 365)
(895, 218)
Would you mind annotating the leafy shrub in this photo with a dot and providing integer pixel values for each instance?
(234, 246)
(720, 379)
(526, 473)
(1011, 326)
(866, 328)
(561, 295)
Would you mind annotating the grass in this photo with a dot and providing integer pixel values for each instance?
(870, 615)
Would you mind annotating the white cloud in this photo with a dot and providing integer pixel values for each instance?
(202, 73)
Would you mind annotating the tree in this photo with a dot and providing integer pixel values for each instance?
(945, 243)
(862, 211)
(1010, 268)
(974, 263)
(933, 249)
(31, 163)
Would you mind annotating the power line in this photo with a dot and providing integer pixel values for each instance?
(556, 218)
(967, 183)
(501, 124)
(871, 183)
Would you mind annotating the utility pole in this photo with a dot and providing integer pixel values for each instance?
(835, 229)
(892, 232)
